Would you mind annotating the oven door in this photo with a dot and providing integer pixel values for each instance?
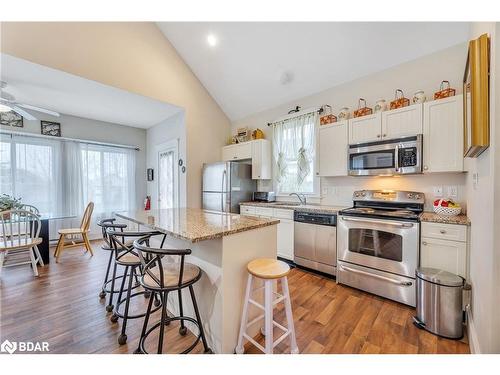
(386, 245)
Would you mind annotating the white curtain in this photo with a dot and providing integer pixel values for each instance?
(166, 177)
(293, 151)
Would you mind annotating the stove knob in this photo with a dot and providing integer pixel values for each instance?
(417, 196)
(410, 196)
(363, 193)
(356, 194)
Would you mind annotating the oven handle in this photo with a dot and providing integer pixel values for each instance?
(388, 279)
(399, 225)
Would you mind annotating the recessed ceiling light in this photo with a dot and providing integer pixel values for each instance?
(211, 40)
(4, 108)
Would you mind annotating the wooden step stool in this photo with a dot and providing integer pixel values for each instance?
(268, 270)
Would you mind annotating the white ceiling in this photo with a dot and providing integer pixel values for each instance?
(65, 93)
(243, 71)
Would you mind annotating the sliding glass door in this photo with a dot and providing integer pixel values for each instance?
(168, 176)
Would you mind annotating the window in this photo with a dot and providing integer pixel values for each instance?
(61, 177)
(294, 143)
(30, 169)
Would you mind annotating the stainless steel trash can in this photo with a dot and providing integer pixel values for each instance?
(439, 302)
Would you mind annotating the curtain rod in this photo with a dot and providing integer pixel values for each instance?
(34, 135)
(297, 111)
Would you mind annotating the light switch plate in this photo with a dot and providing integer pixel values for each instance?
(453, 191)
(438, 191)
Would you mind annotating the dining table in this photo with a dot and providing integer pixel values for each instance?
(45, 219)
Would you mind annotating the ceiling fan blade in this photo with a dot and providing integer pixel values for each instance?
(5, 96)
(38, 109)
(22, 112)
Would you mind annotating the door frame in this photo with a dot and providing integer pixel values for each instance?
(172, 145)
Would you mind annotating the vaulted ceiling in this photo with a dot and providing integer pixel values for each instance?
(257, 66)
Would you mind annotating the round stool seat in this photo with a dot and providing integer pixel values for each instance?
(266, 268)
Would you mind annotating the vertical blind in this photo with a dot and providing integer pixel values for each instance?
(61, 177)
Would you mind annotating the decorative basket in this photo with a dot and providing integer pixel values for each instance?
(447, 211)
(399, 100)
(362, 111)
(327, 116)
(257, 134)
(444, 92)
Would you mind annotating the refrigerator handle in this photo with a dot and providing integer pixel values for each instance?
(222, 190)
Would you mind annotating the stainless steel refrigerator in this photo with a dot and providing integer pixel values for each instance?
(226, 184)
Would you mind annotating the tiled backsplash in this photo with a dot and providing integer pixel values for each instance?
(338, 191)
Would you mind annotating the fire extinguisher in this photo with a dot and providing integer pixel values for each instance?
(147, 203)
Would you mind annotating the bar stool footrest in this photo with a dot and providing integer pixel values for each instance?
(117, 312)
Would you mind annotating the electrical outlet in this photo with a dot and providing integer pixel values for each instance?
(453, 191)
(438, 191)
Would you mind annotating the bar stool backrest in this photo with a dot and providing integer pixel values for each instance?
(152, 257)
(122, 247)
(18, 227)
(105, 224)
(87, 215)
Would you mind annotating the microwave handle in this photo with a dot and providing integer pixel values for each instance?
(399, 225)
(396, 158)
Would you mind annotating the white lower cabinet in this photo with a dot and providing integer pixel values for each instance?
(285, 227)
(437, 250)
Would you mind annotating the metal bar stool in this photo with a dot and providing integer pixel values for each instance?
(127, 256)
(268, 270)
(105, 224)
(163, 277)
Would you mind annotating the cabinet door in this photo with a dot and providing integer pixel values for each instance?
(402, 122)
(365, 129)
(446, 255)
(261, 159)
(285, 239)
(237, 152)
(443, 135)
(332, 150)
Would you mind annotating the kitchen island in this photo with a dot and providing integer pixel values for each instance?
(222, 244)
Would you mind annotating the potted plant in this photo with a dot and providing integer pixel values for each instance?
(8, 202)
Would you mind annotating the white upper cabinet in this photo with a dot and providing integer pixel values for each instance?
(402, 122)
(365, 129)
(261, 159)
(259, 151)
(332, 149)
(443, 135)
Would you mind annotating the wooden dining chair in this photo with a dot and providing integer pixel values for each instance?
(19, 239)
(82, 231)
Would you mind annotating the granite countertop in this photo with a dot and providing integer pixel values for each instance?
(195, 224)
(432, 217)
(303, 207)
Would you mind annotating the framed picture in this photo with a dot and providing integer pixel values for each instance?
(11, 119)
(51, 128)
(476, 98)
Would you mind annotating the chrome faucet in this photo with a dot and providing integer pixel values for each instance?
(302, 197)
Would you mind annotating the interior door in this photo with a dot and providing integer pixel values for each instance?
(168, 176)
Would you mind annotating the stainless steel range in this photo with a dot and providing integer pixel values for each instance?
(378, 243)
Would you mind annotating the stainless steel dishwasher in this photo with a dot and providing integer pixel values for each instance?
(315, 241)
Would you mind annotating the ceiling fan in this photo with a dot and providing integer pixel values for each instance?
(8, 103)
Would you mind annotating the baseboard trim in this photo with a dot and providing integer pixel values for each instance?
(472, 335)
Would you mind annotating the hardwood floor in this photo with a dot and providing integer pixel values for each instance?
(62, 307)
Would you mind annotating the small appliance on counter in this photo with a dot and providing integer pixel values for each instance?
(378, 243)
(264, 196)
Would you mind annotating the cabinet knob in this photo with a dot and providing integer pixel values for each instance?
(424, 243)
(378, 135)
(426, 167)
(384, 135)
(442, 231)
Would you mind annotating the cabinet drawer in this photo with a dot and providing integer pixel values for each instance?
(281, 213)
(264, 211)
(247, 210)
(451, 232)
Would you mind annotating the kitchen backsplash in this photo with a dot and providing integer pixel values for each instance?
(338, 191)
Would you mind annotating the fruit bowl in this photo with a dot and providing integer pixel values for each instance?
(446, 207)
(447, 211)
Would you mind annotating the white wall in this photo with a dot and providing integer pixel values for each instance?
(93, 130)
(484, 203)
(425, 73)
(173, 128)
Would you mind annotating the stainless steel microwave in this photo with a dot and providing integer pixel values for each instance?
(388, 157)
